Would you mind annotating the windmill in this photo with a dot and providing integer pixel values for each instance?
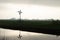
(20, 13)
(20, 20)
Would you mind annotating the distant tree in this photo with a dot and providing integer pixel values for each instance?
(56, 22)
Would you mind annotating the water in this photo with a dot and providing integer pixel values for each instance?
(6, 34)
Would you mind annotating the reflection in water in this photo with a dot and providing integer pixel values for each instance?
(20, 36)
(13, 35)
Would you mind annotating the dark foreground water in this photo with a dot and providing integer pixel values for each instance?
(6, 34)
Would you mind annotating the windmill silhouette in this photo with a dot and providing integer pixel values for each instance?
(20, 20)
(20, 13)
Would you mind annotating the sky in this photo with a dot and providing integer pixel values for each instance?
(31, 9)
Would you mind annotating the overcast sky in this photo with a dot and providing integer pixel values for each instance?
(36, 2)
(31, 9)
